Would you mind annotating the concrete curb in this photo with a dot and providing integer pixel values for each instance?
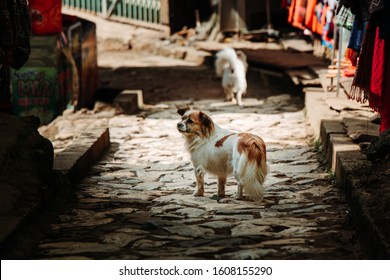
(346, 160)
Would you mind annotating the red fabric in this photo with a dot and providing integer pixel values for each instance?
(377, 71)
(384, 109)
(284, 4)
(46, 16)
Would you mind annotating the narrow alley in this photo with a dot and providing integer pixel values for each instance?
(96, 180)
(137, 202)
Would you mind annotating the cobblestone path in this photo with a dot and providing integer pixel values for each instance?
(137, 201)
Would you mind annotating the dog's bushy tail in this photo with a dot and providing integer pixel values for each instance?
(225, 57)
(252, 173)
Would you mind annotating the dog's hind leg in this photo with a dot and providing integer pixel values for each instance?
(239, 97)
(221, 186)
(229, 95)
(199, 174)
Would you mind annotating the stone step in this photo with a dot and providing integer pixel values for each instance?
(76, 159)
(129, 102)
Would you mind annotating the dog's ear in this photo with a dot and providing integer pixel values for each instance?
(204, 119)
(182, 110)
(207, 124)
(241, 55)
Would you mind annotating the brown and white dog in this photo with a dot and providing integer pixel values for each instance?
(220, 152)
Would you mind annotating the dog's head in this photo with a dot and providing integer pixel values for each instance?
(194, 123)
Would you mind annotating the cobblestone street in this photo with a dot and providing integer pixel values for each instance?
(137, 202)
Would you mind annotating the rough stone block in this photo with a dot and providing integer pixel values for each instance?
(339, 143)
(198, 57)
(350, 164)
(330, 127)
(129, 101)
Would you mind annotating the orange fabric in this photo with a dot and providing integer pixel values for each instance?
(299, 14)
(311, 4)
(291, 10)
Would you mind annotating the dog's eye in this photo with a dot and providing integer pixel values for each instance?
(189, 121)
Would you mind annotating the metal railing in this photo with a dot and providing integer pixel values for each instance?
(142, 10)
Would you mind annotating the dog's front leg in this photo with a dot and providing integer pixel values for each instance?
(199, 174)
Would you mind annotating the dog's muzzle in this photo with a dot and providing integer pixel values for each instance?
(181, 127)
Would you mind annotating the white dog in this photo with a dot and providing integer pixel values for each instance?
(220, 152)
(232, 66)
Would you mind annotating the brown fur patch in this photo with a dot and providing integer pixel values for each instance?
(253, 146)
(182, 110)
(220, 142)
(202, 124)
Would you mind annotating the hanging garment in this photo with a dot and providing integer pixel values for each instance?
(376, 6)
(377, 72)
(345, 18)
(328, 30)
(284, 4)
(310, 17)
(291, 11)
(318, 20)
(15, 29)
(357, 35)
(15, 33)
(384, 110)
(297, 13)
(384, 27)
(361, 82)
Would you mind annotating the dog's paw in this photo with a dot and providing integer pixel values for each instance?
(198, 193)
(221, 194)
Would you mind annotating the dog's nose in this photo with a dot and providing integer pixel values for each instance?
(180, 126)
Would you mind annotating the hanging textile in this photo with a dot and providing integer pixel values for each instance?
(318, 20)
(310, 17)
(345, 18)
(361, 82)
(377, 72)
(384, 27)
(355, 42)
(384, 110)
(291, 11)
(357, 35)
(297, 13)
(327, 21)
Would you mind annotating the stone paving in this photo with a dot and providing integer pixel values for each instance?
(137, 202)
